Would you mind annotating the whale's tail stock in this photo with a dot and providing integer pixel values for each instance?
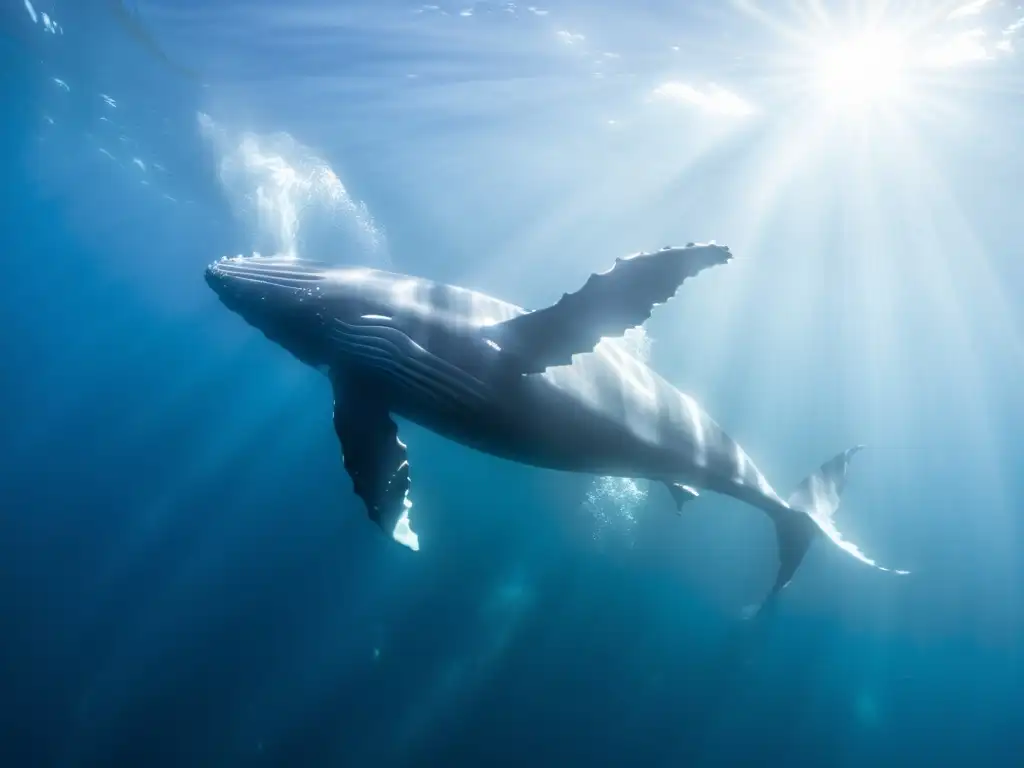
(814, 504)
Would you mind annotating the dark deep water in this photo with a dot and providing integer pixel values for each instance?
(186, 578)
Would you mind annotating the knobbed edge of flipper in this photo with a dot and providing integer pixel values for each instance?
(374, 457)
(607, 305)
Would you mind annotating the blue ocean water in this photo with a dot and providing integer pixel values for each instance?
(186, 577)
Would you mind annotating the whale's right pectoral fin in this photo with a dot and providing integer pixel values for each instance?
(608, 304)
(375, 458)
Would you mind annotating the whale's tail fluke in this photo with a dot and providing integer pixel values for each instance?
(794, 532)
(815, 502)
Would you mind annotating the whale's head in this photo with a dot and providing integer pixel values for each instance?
(295, 302)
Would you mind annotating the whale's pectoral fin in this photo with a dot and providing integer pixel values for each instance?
(681, 494)
(375, 459)
(608, 304)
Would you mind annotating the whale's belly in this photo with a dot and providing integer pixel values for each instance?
(607, 413)
(532, 423)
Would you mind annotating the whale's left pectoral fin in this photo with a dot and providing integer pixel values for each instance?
(608, 304)
(375, 459)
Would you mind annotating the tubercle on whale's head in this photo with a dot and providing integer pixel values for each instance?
(297, 302)
(251, 278)
(282, 296)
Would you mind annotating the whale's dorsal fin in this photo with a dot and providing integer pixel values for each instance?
(608, 304)
(375, 458)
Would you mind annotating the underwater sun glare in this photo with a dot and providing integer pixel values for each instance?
(864, 71)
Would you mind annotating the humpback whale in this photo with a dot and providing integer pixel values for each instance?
(534, 387)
